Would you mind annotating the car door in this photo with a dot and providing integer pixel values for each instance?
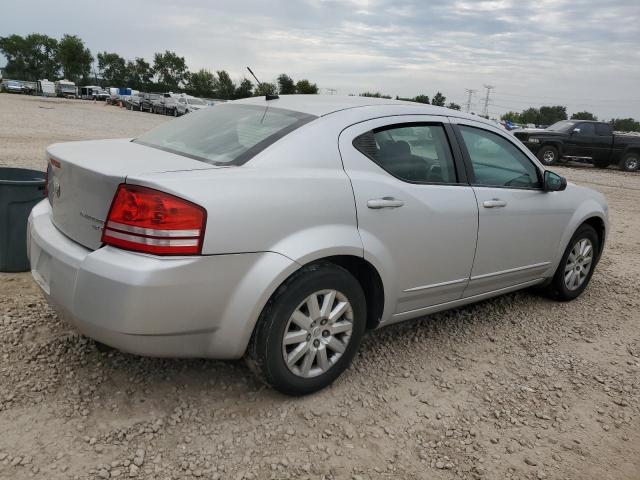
(520, 225)
(417, 216)
(584, 141)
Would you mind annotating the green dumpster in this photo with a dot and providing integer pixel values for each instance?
(20, 190)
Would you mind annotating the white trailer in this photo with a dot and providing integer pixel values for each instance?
(46, 88)
(66, 89)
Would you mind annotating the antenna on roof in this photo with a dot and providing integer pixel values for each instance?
(268, 96)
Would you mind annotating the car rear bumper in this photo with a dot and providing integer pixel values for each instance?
(202, 306)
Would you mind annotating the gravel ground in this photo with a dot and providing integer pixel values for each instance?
(517, 387)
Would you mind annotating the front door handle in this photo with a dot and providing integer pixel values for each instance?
(385, 202)
(494, 203)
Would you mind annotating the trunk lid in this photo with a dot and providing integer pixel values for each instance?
(84, 176)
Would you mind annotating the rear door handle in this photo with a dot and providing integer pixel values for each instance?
(385, 202)
(495, 203)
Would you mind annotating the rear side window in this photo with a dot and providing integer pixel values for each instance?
(603, 129)
(411, 152)
(225, 134)
(496, 162)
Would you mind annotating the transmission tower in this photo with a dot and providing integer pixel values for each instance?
(470, 92)
(486, 100)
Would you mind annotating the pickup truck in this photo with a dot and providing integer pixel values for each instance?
(594, 142)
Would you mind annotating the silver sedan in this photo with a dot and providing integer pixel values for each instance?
(282, 229)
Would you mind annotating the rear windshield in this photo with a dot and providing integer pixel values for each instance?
(228, 134)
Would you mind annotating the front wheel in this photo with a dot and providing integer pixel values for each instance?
(630, 162)
(577, 264)
(548, 155)
(310, 330)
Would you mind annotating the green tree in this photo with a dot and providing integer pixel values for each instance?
(74, 58)
(513, 117)
(170, 70)
(305, 87)
(202, 84)
(552, 114)
(138, 74)
(244, 90)
(583, 116)
(286, 86)
(438, 100)
(112, 68)
(625, 125)
(30, 58)
(265, 89)
(453, 106)
(224, 86)
(531, 115)
(374, 95)
(422, 99)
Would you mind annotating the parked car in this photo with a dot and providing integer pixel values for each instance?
(157, 103)
(133, 101)
(594, 142)
(168, 104)
(12, 86)
(187, 104)
(148, 101)
(281, 230)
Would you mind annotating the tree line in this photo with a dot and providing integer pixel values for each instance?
(548, 115)
(438, 99)
(37, 56)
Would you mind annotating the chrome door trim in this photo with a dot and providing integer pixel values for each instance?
(511, 270)
(435, 285)
(418, 312)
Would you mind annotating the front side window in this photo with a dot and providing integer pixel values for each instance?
(587, 129)
(225, 135)
(496, 162)
(411, 152)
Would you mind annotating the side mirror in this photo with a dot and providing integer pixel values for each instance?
(553, 182)
(576, 130)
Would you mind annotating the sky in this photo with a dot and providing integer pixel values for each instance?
(584, 54)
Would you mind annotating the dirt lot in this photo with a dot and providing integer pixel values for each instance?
(518, 387)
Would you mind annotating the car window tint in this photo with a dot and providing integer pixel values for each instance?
(497, 162)
(587, 129)
(603, 129)
(411, 152)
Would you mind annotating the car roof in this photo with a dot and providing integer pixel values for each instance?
(321, 105)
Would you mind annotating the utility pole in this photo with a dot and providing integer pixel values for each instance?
(470, 92)
(486, 100)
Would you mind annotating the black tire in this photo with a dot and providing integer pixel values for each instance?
(548, 155)
(558, 287)
(265, 352)
(601, 163)
(630, 162)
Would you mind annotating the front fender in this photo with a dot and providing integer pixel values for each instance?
(588, 209)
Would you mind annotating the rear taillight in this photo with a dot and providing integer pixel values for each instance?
(151, 221)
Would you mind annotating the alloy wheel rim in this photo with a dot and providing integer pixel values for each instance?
(632, 163)
(578, 264)
(549, 156)
(317, 333)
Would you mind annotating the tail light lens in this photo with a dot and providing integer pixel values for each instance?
(151, 221)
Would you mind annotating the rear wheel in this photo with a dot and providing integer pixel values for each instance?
(548, 155)
(577, 264)
(310, 330)
(630, 162)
